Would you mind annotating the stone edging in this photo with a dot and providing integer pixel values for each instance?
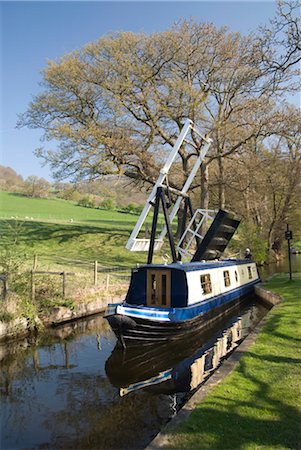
(63, 314)
(266, 296)
(164, 438)
(16, 327)
(21, 327)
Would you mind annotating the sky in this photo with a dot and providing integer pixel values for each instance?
(31, 33)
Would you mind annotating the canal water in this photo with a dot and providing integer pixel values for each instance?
(281, 266)
(74, 388)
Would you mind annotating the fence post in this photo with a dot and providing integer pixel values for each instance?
(35, 262)
(5, 289)
(95, 273)
(64, 283)
(33, 290)
(5, 285)
(107, 281)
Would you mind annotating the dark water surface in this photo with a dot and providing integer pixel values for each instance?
(74, 388)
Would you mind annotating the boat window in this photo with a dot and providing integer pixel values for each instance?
(206, 283)
(227, 278)
(236, 276)
(250, 272)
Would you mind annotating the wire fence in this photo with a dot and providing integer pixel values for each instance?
(81, 273)
(58, 276)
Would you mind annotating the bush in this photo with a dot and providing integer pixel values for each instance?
(132, 208)
(107, 204)
(70, 194)
(88, 201)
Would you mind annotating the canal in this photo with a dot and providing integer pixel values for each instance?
(74, 388)
(281, 266)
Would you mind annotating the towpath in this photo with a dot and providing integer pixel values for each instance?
(258, 405)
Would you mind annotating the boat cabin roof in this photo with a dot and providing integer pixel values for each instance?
(200, 265)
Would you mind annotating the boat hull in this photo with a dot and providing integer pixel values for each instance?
(135, 330)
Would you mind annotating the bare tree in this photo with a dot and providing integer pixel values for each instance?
(34, 186)
(281, 38)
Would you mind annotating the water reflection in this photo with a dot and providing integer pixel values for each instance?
(179, 366)
(73, 388)
(281, 266)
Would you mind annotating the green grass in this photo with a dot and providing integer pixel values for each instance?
(258, 406)
(54, 209)
(56, 227)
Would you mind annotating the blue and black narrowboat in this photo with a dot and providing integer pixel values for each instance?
(166, 301)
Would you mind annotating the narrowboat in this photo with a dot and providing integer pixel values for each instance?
(166, 301)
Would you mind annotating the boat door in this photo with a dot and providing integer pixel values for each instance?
(158, 288)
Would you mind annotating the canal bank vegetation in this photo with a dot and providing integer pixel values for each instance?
(54, 253)
(33, 285)
(258, 405)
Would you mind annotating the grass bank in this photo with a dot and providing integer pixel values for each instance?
(55, 235)
(258, 405)
(58, 227)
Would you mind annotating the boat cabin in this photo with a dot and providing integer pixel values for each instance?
(179, 285)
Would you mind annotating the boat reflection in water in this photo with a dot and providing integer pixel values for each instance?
(178, 367)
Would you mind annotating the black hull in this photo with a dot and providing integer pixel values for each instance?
(136, 331)
(137, 363)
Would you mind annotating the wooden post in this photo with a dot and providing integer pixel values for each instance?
(107, 281)
(95, 273)
(35, 262)
(33, 287)
(289, 236)
(64, 283)
(5, 285)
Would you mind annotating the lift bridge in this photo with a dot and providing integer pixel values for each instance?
(223, 226)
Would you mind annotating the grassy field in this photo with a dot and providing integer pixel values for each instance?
(61, 237)
(258, 406)
(57, 227)
(55, 209)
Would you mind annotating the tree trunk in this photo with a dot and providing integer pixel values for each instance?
(204, 203)
(204, 194)
(180, 224)
(221, 183)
